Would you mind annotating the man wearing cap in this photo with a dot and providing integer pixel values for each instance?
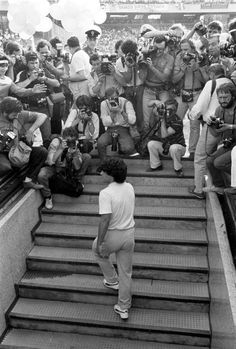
(90, 48)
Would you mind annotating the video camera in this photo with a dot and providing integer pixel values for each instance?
(106, 61)
(6, 139)
(228, 50)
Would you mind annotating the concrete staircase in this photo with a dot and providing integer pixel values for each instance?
(62, 302)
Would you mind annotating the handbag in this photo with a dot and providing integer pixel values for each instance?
(57, 97)
(19, 154)
(60, 184)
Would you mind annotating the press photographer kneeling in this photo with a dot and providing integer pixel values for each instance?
(168, 138)
(64, 167)
(223, 123)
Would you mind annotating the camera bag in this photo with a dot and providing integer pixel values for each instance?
(19, 154)
(187, 95)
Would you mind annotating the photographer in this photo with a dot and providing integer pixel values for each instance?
(17, 60)
(169, 138)
(16, 124)
(86, 123)
(207, 143)
(191, 76)
(117, 115)
(223, 123)
(63, 157)
(28, 78)
(156, 66)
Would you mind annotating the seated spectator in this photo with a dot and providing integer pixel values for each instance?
(63, 156)
(169, 137)
(86, 123)
(7, 86)
(223, 124)
(117, 114)
(20, 124)
(28, 78)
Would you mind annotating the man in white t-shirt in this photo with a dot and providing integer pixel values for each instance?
(79, 69)
(116, 232)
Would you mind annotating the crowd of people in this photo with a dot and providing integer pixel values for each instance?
(62, 102)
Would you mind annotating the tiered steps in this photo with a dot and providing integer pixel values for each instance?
(62, 302)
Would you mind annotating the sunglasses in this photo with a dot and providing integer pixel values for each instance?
(3, 65)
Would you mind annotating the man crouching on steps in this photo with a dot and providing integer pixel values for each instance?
(116, 232)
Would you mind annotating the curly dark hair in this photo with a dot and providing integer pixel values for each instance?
(70, 132)
(129, 46)
(10, 105)
(73, 41)
(116, 168)
(228, 87)
(42, 43)
(83, 100)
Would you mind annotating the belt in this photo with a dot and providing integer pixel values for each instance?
(155, 88)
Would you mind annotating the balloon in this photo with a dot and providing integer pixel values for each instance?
(45, 25)
(43, 8)
(100, 17)
(24, 36)
(29, 29)
(9, 16)
(56, 11)
(15, 27)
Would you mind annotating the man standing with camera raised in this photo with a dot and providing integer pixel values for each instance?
(191, 76)
(155, 68)
(223, 123)
(169, 138)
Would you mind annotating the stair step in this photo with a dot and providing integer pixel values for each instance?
(144, 163)
(54, 340)
(146, 181)
(186, 213)
(145, 324)
(146, 240)
(145, 265)
(145, 196)
(153, 294)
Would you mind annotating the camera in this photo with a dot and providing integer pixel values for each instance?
(216, 122)
(6, 139)
(228, 142)
(42, 102)
(161, 109)
(106, 61)
(228, 51)
(166, 147)
(131, 58)
(204, 59)
(114, 143)
(86, 110)
(188, 56)
(201, 29)
(60, 55)
(40, 73)
(114, 102)
(71, 143)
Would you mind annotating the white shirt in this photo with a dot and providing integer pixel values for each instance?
(119, 200)
(207, 104)
(79, 62)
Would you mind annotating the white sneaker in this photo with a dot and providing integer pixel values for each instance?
(112, 285)
(124, 314)
(48, 203)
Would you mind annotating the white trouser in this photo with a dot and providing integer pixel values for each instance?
(155, 149)
(233, 167)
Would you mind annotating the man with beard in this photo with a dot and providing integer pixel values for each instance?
(223, 123)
